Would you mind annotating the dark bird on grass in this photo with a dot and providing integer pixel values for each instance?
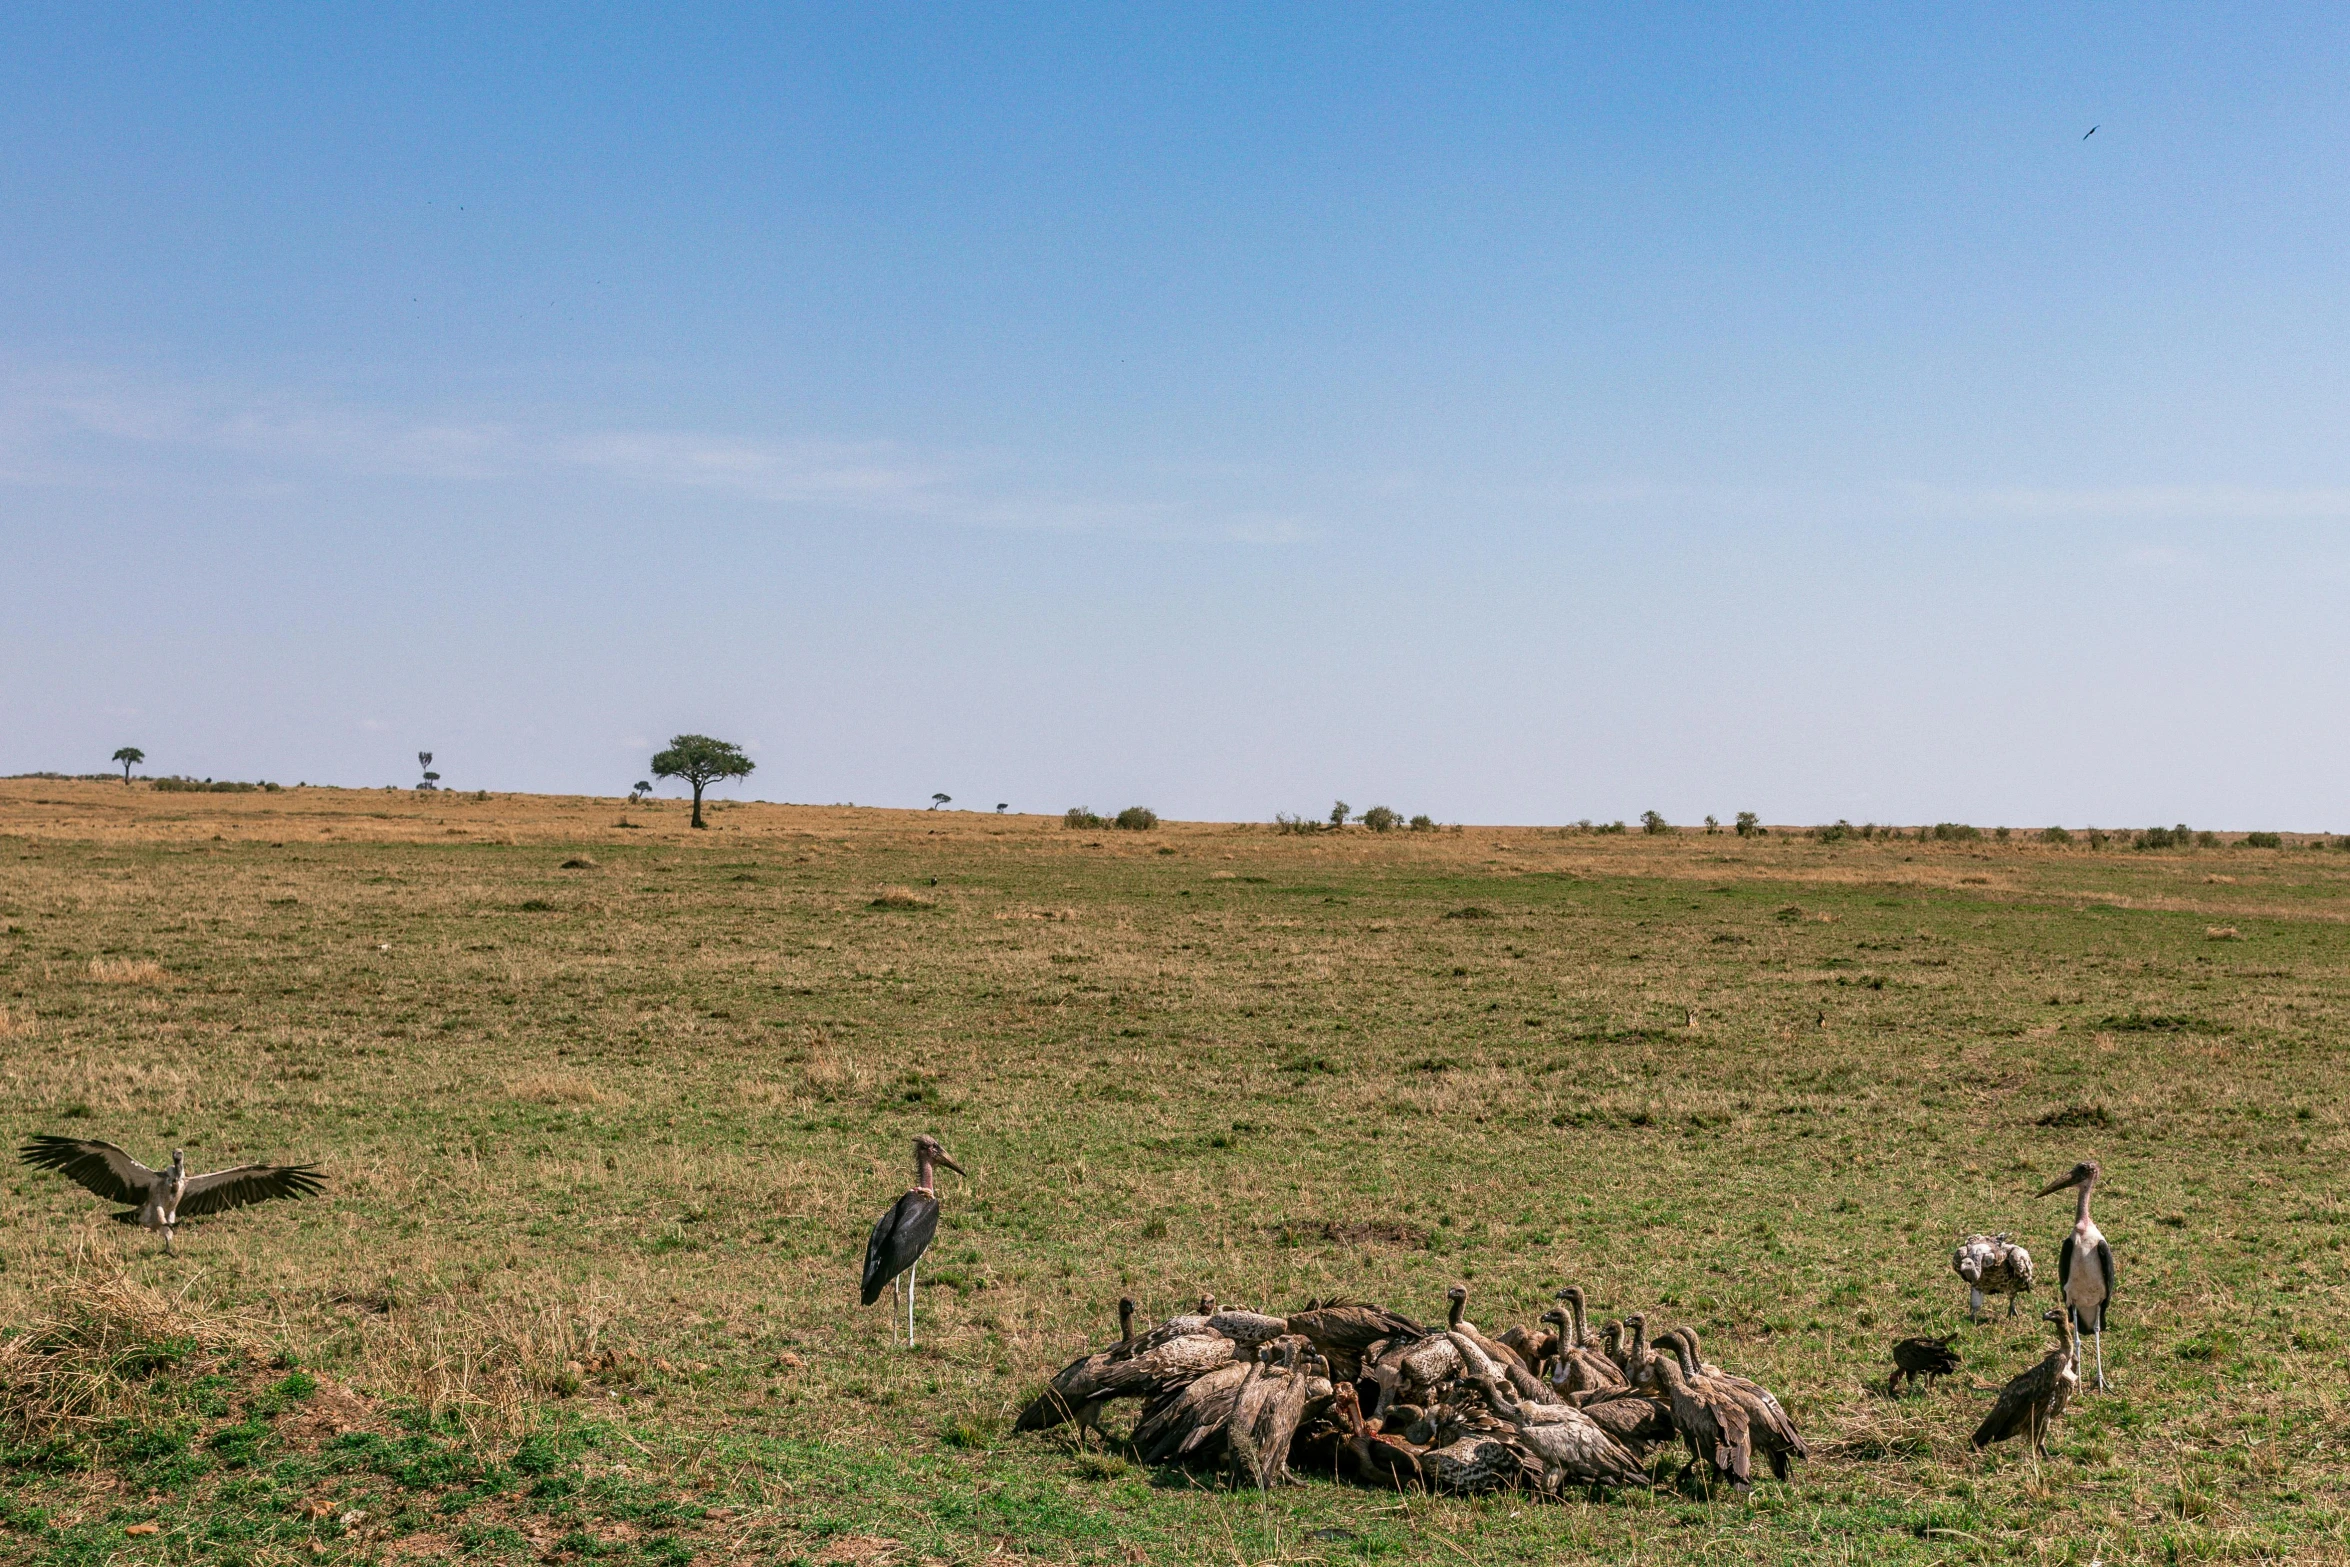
(2030, 1404)
(1770, 1427)
(1073, 1393)
(1991, 1265)
(1913, 1358)
(1711, 1422)
(159, 1199)
(1266, 1416)
(1188, 1420)
(2084, 1270)
(902, 1235)
(1132, 1368)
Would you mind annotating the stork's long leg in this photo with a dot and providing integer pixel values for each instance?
(893, 1311)
(910, 1270)
(2100, 1357)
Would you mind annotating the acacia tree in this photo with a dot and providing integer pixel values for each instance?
(701, 761)
(130, 756)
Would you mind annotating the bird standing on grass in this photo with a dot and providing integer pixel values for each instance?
(1921, 1357)
(2085, 1270)
(2031, 1403)
(1991, 1265)
(159, 1199)
(902, 1235)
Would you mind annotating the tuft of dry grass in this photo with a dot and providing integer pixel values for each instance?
(562, 1088)
(16, 1025)
(901, 898)
(78, 1362)
(126, 971)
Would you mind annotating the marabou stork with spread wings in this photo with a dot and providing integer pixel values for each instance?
(902, 1235)
(159, 1199)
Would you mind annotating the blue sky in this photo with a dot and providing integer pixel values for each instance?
(1516, 414)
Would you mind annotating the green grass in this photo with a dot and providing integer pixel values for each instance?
(605, 1142)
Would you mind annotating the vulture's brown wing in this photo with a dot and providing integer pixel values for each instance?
(225, 1189)
(105, 1169)
(2016, 1402)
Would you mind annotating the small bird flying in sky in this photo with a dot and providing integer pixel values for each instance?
(2091, 131)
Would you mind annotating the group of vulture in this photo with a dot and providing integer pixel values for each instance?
(1364, 1393)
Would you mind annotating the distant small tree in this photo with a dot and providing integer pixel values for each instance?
(2055, 835)
(700, 762)
(1748, 824)
(130, 756)
(1653, 822)
(1339, 813)
(636, 795)
(1081, 818)
(1712, 827)
(1001, 807)
(1136, 818)
(1380, 819)
(1423, 823)
(938, 800)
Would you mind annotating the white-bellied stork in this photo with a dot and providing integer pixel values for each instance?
(2085, 1271)
(902, 1235)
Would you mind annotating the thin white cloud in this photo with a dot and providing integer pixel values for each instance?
(78, 431)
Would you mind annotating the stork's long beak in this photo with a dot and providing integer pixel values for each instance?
(947, 1160)
(2059, 1184)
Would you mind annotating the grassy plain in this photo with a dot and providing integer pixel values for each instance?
(605, 1139)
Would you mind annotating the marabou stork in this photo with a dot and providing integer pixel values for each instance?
(2084, 1271)
(159, 1199)
(2031, 1403)
(902, 1235)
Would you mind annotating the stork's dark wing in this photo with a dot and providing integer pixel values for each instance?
(105, 1169)
(225, 1189)
(2104, 1268)
(2064, 1266)
(899, 1239)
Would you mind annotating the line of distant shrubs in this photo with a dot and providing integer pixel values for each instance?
(1378, 818)
(209, 786)
(1135, 818)
(2180, 836)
